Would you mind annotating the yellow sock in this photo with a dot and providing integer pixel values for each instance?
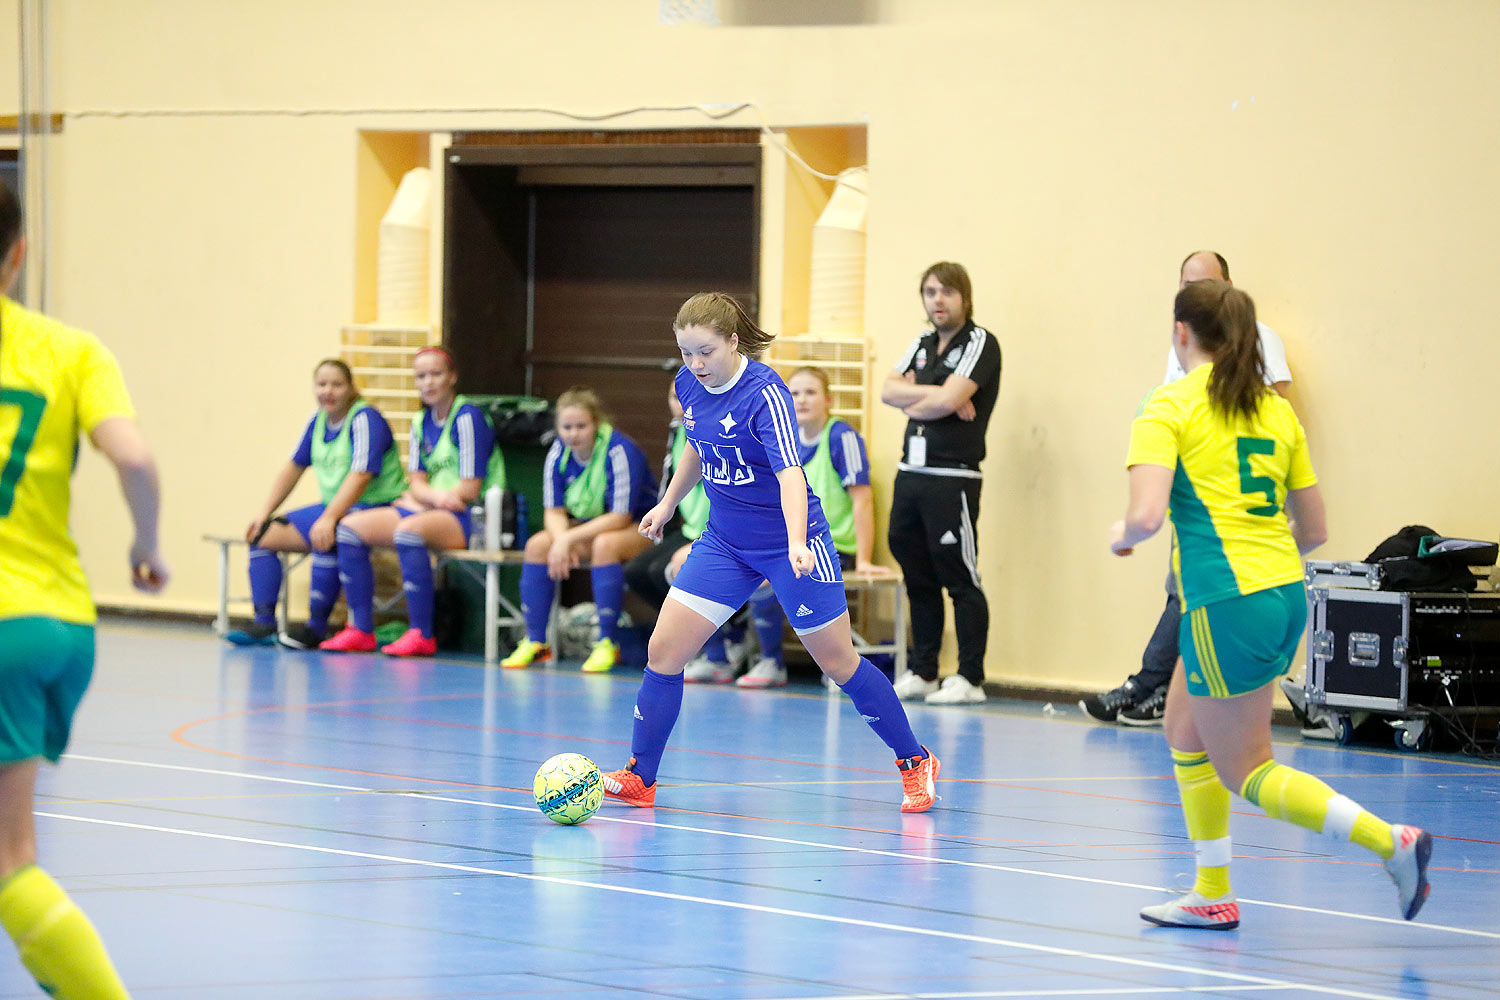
(1289, 794)
(1205, 805)
(55, 940)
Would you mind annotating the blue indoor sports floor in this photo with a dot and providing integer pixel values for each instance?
(272, 824)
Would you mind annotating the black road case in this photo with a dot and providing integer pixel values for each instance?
(1408, 657)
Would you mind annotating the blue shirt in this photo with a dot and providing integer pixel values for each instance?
(467, 429)
(369, 439)
(847, 451)
(745, 432)
(629, 486)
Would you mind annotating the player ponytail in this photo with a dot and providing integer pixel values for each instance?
(723, 314)
(1222, 318)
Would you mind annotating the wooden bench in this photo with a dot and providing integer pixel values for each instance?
(875, 585)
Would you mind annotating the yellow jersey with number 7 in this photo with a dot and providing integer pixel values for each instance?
(56, 383)
(1229, 490)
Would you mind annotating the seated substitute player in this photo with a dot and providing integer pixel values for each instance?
(1230, 459)
(56, 384)
(453, 461)
(834, 461)
(595, 485)
(349, 446)
(763, 524)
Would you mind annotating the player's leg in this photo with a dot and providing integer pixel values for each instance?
(770, 621)
(608, 553)
(712, 583)
(357, 534)
(952, 516)
(44, 668)
(1205, 808)
(911, 547)
(816, 606)
(1233, 651)
(265, 581)
(416, 538)
(323, 587)
(537, 593)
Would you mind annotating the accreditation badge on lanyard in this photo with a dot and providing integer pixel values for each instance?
(916, 449)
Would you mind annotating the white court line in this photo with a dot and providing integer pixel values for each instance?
(790, 842)
(1102, 991)
(1138, 963)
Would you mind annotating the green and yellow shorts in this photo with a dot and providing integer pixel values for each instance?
(1236, 646)
(45, 666)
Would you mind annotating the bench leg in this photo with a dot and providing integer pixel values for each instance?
(491, 613)
(221, 621)
(898, 625)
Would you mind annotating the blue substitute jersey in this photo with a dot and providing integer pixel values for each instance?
(744, 433)
(369, 438)
(846, 449)
(629, 486)
(470, 432)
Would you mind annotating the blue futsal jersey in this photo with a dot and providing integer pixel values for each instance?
(744, 432)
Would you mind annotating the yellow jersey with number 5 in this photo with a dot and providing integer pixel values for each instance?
(56, 383)
(1229, 490)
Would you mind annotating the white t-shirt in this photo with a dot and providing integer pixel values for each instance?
(1271, 350)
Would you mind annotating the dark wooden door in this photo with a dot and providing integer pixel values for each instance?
(611, 266)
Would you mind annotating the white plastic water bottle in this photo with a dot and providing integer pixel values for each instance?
(493, 517)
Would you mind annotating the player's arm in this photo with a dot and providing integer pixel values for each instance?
(1307, 518)
(1146, 511)
(944, 400)
(793, 483)
(281, 487)
(120, 440)
(863, 498)
(689, 473)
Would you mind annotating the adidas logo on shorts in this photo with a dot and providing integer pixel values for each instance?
(638, 714)
(947, 539)
(803, 610)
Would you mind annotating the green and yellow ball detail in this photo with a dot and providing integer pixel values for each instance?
(568, 788)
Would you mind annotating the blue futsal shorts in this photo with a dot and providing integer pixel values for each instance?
(465, 523)
(303, 518)
(719, 577)
(1242, 644)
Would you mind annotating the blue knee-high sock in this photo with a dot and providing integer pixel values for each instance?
(358, 578)
(323, 590)
(609, 594)
(416, 580)
(536, 600)
(656, 707)
(265, 584)
(876, 701)
(714, 647)
(769, 622)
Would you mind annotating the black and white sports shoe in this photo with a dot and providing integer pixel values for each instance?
(1148, 711)
(1105, 707)
(300, 637)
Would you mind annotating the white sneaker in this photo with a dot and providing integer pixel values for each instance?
(956, 690)
(766, 673)
(706, 671)
(911, 686)
(1408, 866)
(737, 652)
(1193, 910)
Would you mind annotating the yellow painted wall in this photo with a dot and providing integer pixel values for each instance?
(1342, 155)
